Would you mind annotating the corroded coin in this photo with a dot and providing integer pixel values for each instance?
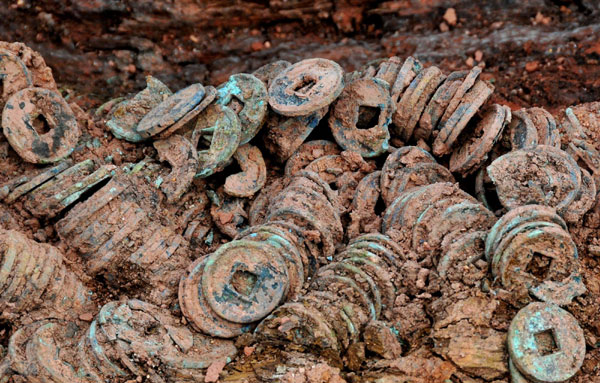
(171, 110)
(244, 282)
(307, 153)
(247, 97)
(126, 115)
(546, 343)
(196, 309)
(360, 117)
(222, 129)
(40, 126)
(415, 98)
(522, 132)
(450, 128)
(14, 75)
(253, 175)
(474, 151)
(396, 162)
(305, 87)
(544, 175)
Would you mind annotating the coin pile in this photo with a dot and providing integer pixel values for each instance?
(306, 208)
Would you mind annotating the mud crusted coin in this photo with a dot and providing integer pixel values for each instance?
(220, 127)
(546, 343)
(14, 75)
(247, 97)
(40, 126)
(473, 152)
(126, 115)
(171, 110)
(543, 175)
(253, 175)
(360, 117)
(244, 282)
(306, 87)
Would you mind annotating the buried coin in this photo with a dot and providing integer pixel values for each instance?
(546, 343)
(244, 282)
(253, 175)
(305, 87)
(543, 175)
(171, 110)
(14, 75)
(474, 151)
(221, 127)
(40, 126)
(125, 116)
(360, 117)
(247, 97)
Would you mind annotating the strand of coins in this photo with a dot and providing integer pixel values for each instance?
(345, 302)
(227, 292)
(126, 339)
(33, 278)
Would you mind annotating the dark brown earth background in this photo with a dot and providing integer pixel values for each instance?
(535, 52)
(538, 52)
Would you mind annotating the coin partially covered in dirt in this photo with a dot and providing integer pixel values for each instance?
(247, 97)
(543, 175)
(306, 87)
(546, 343)
(360, 117)
(40, 126)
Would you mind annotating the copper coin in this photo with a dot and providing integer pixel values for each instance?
(171, 110)
(306, 87)
(247, 97)
(544, 175)
(474, 151)
(14, 75)
(243, 282)
(546, 343)
(360, 117)
(40, 126)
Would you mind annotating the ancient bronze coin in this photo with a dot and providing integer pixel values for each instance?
(305, 87)
(543, 175)
(171, 110)
(40, 126)
(219, 127)
(14, 75)
(183, 158)
(413, 101)
(247, 97)
(546, 343)
(522, 132)
(196, 309)
(394, 165)
(307, 153)
(243, 282)
(284, 135)
(450, 128)
(253, 175)
(360, 117)
(474, 151)
(125, 116)
(437, 105)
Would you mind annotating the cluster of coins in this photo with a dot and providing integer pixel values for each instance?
(531, 252)
(345, 296)
(56, 189)
(33, 277)
(225, 293)
(126, 338)
(320, 263)
(114, 232)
